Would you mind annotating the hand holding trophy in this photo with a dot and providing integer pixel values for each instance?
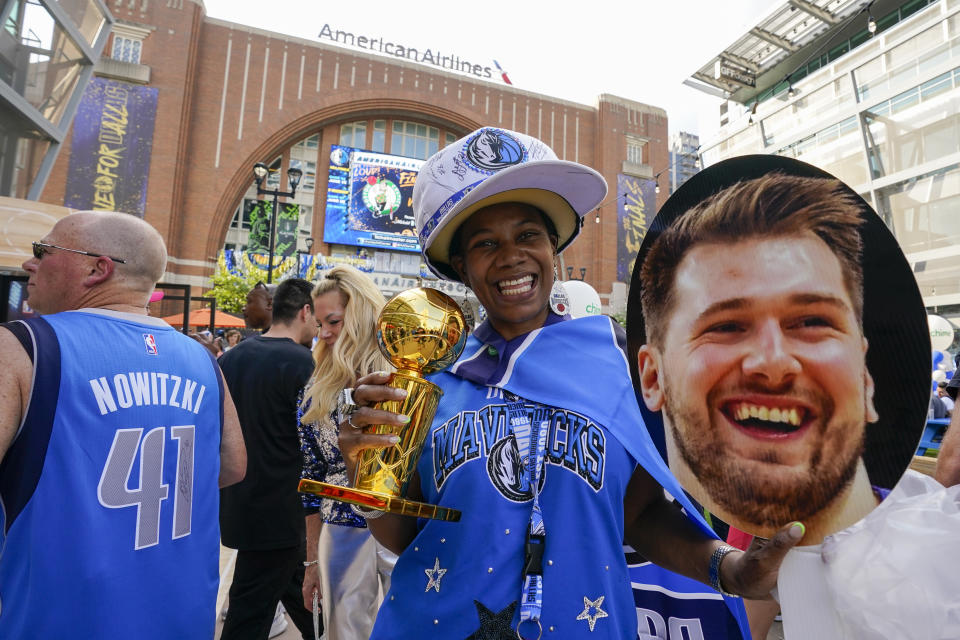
(421, 331)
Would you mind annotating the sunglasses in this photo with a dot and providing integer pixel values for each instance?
(40, 249)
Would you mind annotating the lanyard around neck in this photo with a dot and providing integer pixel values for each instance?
(531, 440)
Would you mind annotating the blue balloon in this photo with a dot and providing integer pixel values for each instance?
(937, 359)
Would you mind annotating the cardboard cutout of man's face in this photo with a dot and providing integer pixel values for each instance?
(762, 384)
(762, 380)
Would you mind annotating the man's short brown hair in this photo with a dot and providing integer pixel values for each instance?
(770, 206)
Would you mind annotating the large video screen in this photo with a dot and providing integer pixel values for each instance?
(370, 198)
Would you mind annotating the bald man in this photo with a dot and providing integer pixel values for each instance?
(116, 432)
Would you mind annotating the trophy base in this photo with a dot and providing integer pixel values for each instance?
(379, 501)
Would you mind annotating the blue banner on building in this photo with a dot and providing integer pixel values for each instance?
(369, 199)
(111, 147)
(636, 206)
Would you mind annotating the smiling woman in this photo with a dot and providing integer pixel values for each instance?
(505, 253)
(537, 438)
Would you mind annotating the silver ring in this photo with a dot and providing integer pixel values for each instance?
(350, 422)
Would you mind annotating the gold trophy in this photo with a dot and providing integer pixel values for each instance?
(421, 331)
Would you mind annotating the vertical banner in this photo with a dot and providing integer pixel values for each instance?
(288, 223)
(258, 213)
(636, 206)
(111, 147)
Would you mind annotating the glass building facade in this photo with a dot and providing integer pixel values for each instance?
(47, 52)
(684, 159)
(885, 118)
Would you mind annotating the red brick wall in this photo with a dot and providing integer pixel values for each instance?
(209, 134)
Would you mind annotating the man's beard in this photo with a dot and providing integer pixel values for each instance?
(756, 491)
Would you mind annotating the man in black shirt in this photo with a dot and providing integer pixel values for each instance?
(262, 517)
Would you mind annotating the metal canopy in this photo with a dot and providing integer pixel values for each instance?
(784, 33)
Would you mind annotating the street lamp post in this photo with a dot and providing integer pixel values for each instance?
(260, 172)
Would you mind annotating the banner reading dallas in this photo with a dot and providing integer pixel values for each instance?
(636, 202)
(111, 148)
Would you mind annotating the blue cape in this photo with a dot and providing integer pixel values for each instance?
(528, 366)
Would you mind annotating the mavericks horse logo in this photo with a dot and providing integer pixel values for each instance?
(507, 472)
(492, 150)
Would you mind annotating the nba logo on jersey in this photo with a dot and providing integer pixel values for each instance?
(150, 343)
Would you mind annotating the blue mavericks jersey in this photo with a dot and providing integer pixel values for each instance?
(463, 579)
(674, 607)
(470, 461)
(109, 490)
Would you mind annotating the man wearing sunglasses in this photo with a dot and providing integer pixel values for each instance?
(116, 432)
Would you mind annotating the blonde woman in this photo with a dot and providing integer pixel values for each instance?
(344, 562)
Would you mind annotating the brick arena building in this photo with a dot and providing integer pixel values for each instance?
(220, 97)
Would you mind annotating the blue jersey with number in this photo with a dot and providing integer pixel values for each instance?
(674, 607)
(109, 489)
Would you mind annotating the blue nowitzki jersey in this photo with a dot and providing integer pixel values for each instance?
(110, 487)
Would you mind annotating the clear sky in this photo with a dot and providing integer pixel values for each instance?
(571, 49)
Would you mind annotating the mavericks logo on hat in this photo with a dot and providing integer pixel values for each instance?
(491, 150)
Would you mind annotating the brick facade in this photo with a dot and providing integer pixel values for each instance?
(232, 95)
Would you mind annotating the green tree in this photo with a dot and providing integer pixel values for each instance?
(620, 317)
(230, 289)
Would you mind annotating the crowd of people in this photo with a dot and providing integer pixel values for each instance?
(129, 452)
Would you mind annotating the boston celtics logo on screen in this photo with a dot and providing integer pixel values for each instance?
(381, 196)
(491, 150)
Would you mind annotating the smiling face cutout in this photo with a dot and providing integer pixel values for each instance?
(762, 380)
(769, 319)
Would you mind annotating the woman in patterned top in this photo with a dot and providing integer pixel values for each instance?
(350, 569)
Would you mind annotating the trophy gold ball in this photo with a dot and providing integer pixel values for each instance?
(420, 331)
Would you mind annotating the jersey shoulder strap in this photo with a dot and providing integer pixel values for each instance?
(21, 467)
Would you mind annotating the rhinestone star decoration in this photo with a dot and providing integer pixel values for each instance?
(433, 576)
(494, 625)
(592, 605)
